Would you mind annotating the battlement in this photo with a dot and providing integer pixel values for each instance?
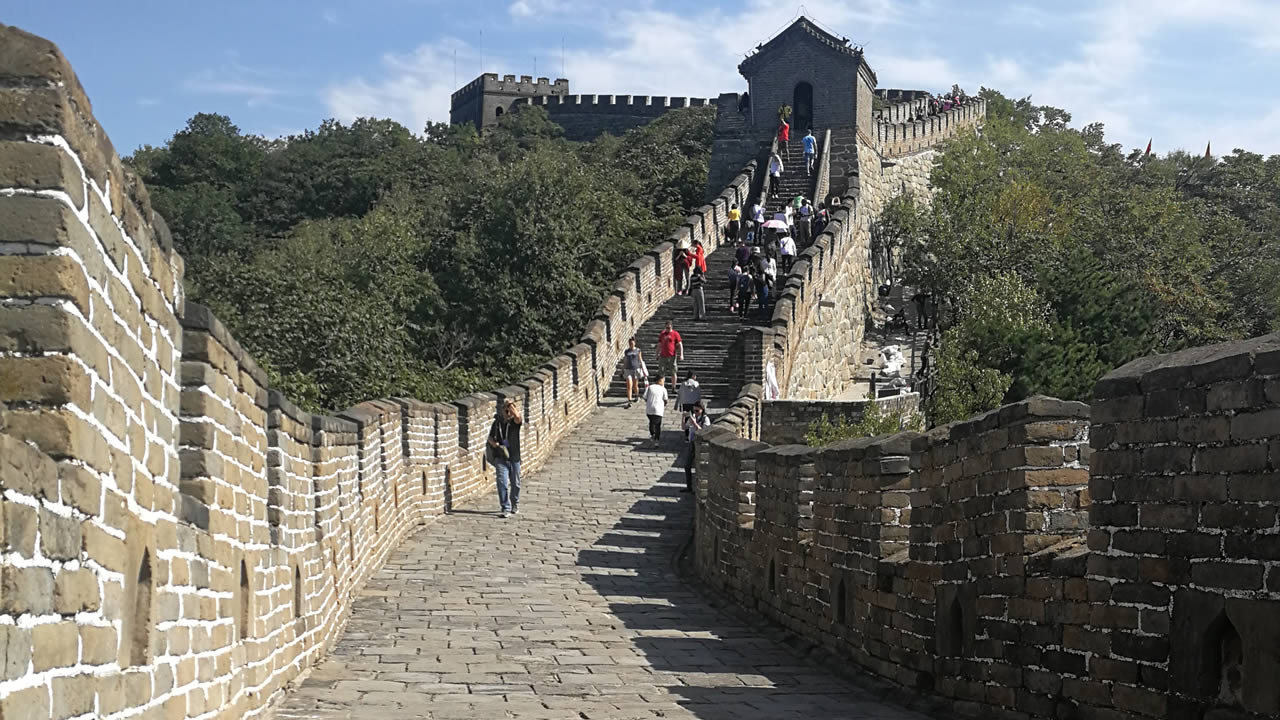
(893, 95)
(509, 85)
(1045, 559)
(903, 137)
(625, 104)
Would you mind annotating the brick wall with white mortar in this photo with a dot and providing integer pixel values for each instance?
(177, 539)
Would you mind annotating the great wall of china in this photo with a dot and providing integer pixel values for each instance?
(179, 540)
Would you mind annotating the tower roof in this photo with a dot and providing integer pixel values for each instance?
(802, 29)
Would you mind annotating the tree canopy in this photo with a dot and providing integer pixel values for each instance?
(1057, 256)
(360, 261)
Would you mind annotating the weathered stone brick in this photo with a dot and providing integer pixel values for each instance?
(44, 276)
(18, 529)
(27, 704)
(15, 651)
(26, 590)
(75, 591)
(74, 695)
(40, 167)
(97, 644)
(55, 645)
(59, 536)
(1229, 576)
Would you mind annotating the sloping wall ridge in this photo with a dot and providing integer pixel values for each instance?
(1043, 560)
(177, 539)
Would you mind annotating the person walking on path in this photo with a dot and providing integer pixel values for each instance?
(655, 406)
(775, 172)
(699, 259)
(810, 150)
(806, 222)
(762, 292)
(735, 223)
(690, 393)
(786, 251)
(784, 137)
(696, 420)
(632, 370)
(670, 352)
(504, 444)
(734, 273)
(697, 290)
(745, 286)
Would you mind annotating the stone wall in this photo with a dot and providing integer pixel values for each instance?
(483, 100)
(586, 117)
(821, 314)
(896, 137)
(733, 144)
(785, 422)
(177, 539)
(1033, 562)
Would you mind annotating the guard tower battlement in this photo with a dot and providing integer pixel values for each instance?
(483, 100)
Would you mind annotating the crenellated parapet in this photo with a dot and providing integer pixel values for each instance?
(508, 84)
(1045, 559)
(586, 117)
(897, 135)
(176, 536)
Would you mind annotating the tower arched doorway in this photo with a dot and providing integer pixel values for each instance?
(802, 109)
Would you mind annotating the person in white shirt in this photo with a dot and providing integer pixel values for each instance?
(696, 421)
(806, 220)
(690, 393)
(775, 172)
(655, 406)
(771, 271)
(787, 250)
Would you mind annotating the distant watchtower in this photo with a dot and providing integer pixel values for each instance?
(824, 79)
(483, 100)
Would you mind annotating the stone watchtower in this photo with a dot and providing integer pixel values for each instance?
(483, 100)
(825, 80)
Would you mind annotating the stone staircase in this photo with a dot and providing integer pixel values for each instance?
(793, 181)
(708, 344)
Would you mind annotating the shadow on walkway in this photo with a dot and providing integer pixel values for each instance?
(718, 668)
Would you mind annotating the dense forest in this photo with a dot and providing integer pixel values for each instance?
(362, 261)
(1057, 256)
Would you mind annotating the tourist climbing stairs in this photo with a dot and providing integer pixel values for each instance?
(794, 181)
(707, 343)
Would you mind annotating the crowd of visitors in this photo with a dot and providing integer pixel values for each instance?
(937, 104)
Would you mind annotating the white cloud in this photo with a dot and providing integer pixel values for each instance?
(415, 86)
(148, 101)
(330, 17)
(643, 51)
(1111, 53)
(1123, 50)
(255, 87)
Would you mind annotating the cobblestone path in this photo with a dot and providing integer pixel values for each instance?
(570, 609)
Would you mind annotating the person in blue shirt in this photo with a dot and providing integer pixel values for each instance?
(810, 148)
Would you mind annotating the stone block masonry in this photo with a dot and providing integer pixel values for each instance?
(586, 117)
(1044, 560)
(177, 539)
(786, 422)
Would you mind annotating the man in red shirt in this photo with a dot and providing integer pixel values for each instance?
(670, 347)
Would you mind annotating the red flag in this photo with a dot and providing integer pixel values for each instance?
(1206, 149)
(1148, 152)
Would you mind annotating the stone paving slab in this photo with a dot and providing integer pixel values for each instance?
(569, 609)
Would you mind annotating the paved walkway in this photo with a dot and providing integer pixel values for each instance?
(568, 610)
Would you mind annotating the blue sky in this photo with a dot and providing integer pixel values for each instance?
(1180, 71)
